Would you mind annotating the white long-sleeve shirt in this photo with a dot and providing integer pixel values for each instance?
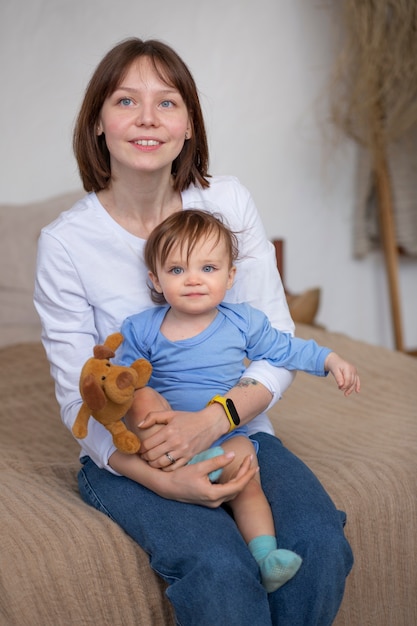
(91, 276)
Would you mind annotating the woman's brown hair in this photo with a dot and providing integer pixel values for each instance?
(191, 165)
(186, 228)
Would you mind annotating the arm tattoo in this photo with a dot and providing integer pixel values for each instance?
(246, 382)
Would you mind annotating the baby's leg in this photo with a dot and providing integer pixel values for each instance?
(145, 401)
(250, 508)
(254, 519)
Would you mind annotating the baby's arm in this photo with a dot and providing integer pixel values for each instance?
(345, 373)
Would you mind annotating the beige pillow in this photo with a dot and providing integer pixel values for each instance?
(20, 225)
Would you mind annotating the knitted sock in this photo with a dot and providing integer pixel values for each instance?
(276, 566)
(209, 454)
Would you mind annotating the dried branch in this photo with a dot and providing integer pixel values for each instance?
(374, 87)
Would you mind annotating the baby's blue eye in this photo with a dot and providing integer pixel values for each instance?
(208, 268)
(176, 270)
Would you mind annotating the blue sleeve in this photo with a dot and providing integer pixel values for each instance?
(132, 347)
(281, 349)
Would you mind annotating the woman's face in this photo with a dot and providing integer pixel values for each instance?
(145, 122)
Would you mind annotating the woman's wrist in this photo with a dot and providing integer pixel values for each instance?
(250, 398)
(215, 415)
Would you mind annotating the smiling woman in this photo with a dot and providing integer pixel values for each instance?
(144, 115)
(172, 78)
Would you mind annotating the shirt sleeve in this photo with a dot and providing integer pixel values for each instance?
(293, 353)
(132, 346)
(68, 334)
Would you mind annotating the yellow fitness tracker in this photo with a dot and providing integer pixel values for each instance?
(229, 409)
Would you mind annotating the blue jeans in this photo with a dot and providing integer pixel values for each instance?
(212, 577)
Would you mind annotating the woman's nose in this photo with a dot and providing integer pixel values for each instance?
(146, 116)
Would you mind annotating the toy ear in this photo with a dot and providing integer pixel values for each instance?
(144, 370)
(103, 352)
(107, 349)
(92, 393)
(114, 341)
(124, 380)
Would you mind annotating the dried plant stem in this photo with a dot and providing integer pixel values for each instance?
(375, 102)
(388, 236)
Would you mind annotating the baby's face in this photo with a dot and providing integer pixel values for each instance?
(197, 282)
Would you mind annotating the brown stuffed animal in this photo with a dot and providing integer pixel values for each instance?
(107, 392)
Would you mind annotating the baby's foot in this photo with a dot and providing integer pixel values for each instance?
(278, 567)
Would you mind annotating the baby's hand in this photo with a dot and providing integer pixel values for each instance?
(345, 374)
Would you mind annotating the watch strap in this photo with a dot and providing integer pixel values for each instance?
(229, 408)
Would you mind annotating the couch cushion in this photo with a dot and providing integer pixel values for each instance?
(20, 225)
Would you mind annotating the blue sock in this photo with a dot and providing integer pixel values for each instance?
(209, 454)
(276, 566)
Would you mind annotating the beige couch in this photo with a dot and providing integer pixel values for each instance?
(62, 563)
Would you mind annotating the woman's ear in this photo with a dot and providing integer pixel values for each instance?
(99, 129)
(188, 132)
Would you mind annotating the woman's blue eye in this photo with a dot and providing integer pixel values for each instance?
(166, 104)
(125, 101)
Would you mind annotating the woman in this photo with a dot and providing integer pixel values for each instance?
(142, 153)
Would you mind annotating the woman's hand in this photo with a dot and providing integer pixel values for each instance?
(179, 434)
(190, 483)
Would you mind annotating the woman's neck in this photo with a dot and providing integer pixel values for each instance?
(140, 206)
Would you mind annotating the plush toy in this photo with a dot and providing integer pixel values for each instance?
(107, 392)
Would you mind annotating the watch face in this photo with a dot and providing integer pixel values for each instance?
(232, 410)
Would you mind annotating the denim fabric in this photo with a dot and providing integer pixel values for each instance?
(199, 551)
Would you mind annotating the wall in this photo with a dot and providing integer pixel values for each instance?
(262, 69)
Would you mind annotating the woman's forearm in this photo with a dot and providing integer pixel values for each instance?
(184, 434)
(133, 467)
(189, 483)
(275, 379)
(250, 398)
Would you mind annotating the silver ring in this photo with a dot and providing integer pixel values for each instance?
(167, 454)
